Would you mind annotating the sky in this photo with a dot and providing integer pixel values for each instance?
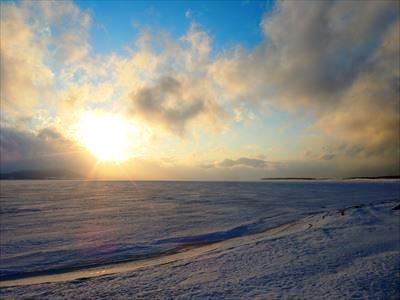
(201, 90)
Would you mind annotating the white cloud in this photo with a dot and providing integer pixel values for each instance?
(337, 60)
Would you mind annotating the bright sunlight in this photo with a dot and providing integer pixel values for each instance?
(108, 137)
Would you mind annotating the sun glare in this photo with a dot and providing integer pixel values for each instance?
(108, 137)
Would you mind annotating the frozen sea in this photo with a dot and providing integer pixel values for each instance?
(57, 227)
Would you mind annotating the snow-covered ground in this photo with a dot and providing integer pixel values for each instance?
(343, 241)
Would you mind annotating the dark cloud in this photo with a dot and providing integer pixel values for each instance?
(50, 134)
(166, 103)
(317, 59)
(46, 149)
(328, 156)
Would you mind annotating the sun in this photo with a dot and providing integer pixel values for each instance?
(108, 137)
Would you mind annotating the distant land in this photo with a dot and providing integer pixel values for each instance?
(346, 178)
(40, 174)
(292, 178)
(375, 177)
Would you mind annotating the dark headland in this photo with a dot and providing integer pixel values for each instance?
(374, 177)
(292, 178)
(345, 178)
(40, 174)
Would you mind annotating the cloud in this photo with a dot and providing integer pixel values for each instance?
(335, 60)
(166, 103)
(35, 37)
(48, 148)
(242, 161)
(171, 87)
(188, 14)
(368, 116)
(66, 26)
(50, 134)
(24, 75)
(328, 156)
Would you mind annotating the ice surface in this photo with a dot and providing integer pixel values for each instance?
(269, 239)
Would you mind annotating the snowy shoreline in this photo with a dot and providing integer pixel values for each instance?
(336, 253)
